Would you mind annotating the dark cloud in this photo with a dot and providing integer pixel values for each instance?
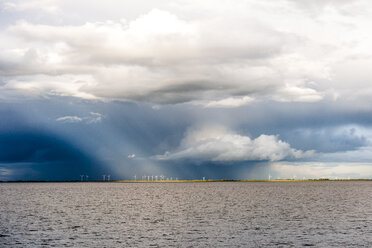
(34, 143)
(47, 156)
(28, 152)
(36, 147)
(327, 140)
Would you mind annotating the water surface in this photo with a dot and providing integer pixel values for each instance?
(215, 214)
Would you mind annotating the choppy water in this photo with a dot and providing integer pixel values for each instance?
(259, 214)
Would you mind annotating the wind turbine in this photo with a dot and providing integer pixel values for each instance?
(108, 177)
(104, 177)
(86, 177)
(81, 177)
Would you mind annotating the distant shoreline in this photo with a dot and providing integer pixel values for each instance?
(195, 181)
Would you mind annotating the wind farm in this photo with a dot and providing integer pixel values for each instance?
(106, 178)
(170, 179)
(238, 180)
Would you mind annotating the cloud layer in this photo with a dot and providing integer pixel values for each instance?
(279, 82)
(247, 50)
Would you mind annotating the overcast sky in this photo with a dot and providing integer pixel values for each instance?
(189, 89)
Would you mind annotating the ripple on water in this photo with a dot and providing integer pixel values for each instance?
(293, 214)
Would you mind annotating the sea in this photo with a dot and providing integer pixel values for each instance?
(190, 214)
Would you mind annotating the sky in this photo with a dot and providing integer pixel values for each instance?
(245, 89)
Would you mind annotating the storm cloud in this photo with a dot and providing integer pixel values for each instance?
(185, 87)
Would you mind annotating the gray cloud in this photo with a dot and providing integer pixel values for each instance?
(330, 139)
(162, 58)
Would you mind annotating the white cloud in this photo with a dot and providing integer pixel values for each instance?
(297, 94)
(229, 102)
(70, 119)
(65, 85)
(132, 155)
(93, 118)
(45, 5)
(215, 143)
(211, 52)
